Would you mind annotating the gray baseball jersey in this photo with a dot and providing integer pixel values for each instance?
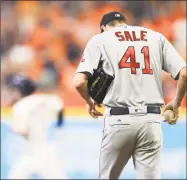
(136, 56)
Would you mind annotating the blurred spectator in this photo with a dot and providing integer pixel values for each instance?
(45, 39)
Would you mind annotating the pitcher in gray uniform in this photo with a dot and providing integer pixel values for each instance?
(136, 57)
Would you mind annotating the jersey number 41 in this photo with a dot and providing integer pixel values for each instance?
(130, 53)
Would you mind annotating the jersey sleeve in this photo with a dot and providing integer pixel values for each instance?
(19, 122)
(56, 104)
(172, 61)
(90, 57)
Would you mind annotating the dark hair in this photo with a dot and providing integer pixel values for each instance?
(28, 88)
(23, 84)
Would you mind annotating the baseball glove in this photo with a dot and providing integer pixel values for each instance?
(99, 83)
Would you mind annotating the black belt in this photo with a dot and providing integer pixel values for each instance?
(125, 110)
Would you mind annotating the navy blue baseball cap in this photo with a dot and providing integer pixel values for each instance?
(110, 17)
(23, 84)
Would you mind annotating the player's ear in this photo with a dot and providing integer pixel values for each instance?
(103, 28)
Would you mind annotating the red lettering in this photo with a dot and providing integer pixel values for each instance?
(147, 69)
(128, 36)
(120, 36)
(130, 53)
(134, 36)
(142, 35)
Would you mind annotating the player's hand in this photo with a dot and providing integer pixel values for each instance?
(91, 106)
(173, 106)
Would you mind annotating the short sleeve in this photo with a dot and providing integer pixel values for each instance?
(19, 122)
(56, 104)
(172, 61)
(90, 57)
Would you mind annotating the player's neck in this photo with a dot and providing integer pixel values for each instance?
(121, 24)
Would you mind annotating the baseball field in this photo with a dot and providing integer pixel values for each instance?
(78, 146)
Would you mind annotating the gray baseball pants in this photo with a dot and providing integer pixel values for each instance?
(138, 136)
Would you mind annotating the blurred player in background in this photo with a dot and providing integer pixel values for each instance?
(32, 115)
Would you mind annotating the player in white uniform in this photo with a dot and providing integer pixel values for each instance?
(32, 115)
(136, 57)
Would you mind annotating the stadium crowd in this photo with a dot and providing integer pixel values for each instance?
(45, 39)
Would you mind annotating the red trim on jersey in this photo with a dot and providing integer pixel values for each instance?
(82, 59)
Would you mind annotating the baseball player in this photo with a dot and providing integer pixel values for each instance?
(32, 114)
(136, 57)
